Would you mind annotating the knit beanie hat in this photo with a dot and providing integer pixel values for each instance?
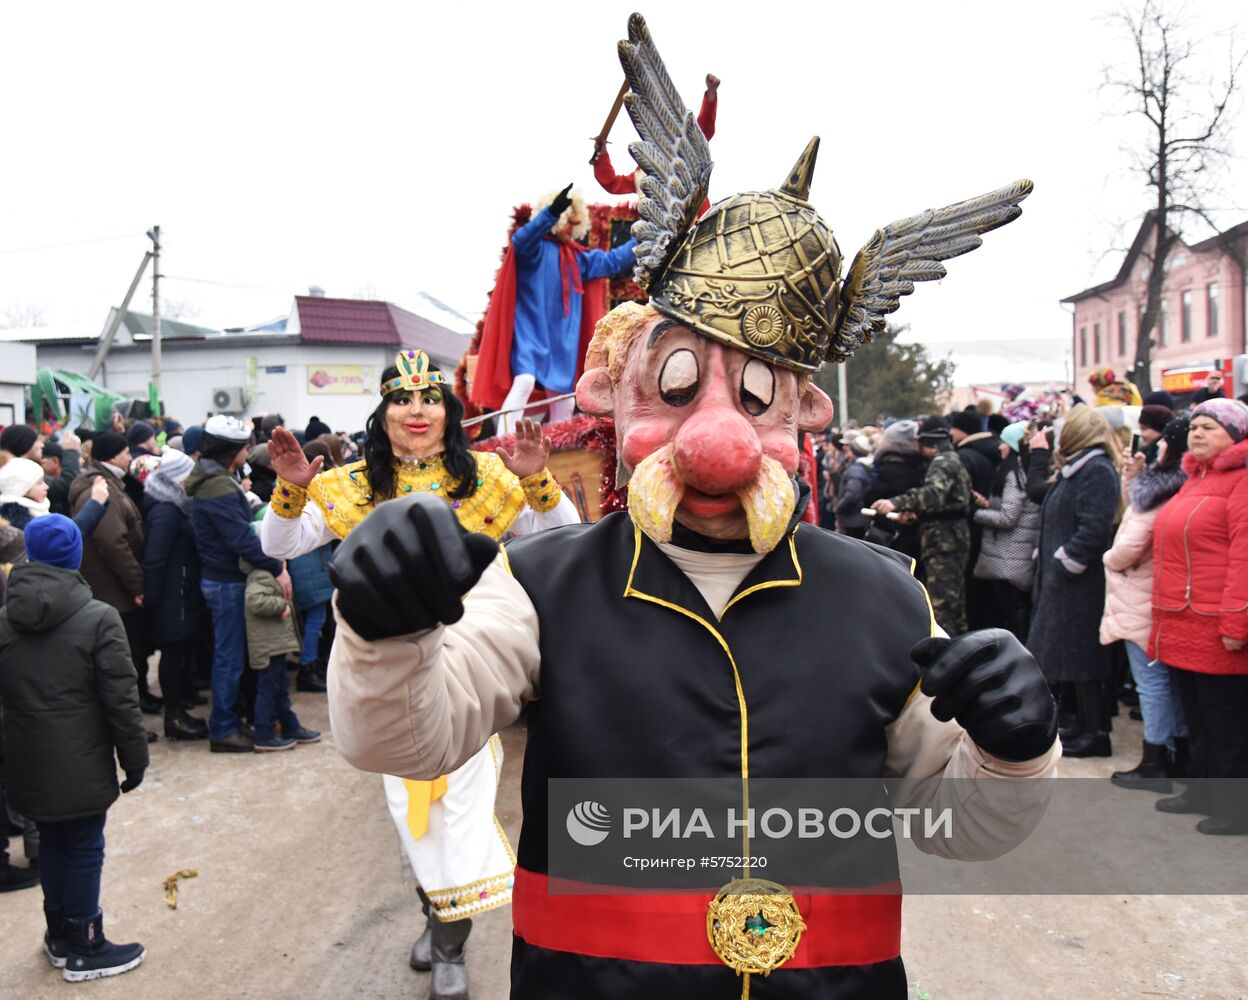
(968, 423)
(1013, 435)
(53, 449)
(1230, 413)
(54, 540)
(18, 475)
(997, 422)
(1155, 417)
(1159, 397)
(175, 465)
(934, 429)
(316, 427)
(901, 433)
(192, 438)
(106, 445)
(18, 439)
(140, 434)
(1175, 436)
(860, 445)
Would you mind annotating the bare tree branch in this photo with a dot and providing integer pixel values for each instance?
(1186, 146)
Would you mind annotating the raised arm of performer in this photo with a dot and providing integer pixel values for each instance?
(604, 172)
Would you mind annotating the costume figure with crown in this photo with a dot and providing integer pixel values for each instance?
(706, 632)
(417, 446)
(540, 317)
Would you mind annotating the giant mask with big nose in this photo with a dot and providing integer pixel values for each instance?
(706, 434)
(709, 384)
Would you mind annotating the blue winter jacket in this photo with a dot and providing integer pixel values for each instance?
(221, 518)
(309, 575)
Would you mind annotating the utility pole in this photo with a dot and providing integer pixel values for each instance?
(842, 392)
(106, 341)
(153, 234)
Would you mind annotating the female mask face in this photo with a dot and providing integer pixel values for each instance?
(416, 423)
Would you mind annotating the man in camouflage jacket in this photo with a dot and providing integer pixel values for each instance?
(941, 504)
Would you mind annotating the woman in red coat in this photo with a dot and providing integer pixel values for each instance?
(1200, 612)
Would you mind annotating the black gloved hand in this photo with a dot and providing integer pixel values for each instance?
(133, 780)
(561, 202)
(990, 683)
(406, 567)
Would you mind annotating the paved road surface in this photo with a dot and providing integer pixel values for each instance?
(299, 896)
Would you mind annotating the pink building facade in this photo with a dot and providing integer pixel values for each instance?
(1202, 317)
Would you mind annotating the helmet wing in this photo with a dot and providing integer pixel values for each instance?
(911, 250)
(673, 155)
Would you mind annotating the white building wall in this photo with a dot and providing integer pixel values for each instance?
(17, 371)
(192, 372)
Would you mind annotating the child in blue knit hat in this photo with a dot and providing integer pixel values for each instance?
(71, 715)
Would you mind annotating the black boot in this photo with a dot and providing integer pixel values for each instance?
(450, 974)
(92, 955)
(421, 958)
(55, 944)
(1150, 774)
(1194, 800)
(181, 726)
(1221, 826)
(1088, 745)
(1180, 759)
(149, 704)
(310, 678)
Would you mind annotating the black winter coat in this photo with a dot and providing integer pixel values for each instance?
(894, 473)
(981, 457)
(70, 696)
(1077, 517)
(171, 573)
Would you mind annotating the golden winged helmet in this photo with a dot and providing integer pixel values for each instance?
(761, 270)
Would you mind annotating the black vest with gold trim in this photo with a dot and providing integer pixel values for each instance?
(807, 666)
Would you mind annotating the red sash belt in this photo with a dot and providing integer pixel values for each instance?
(670, 928)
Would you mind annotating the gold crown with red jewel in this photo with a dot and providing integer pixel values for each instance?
(416, 373)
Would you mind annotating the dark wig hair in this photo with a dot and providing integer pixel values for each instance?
(458, 458)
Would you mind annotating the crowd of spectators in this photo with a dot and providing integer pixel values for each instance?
(1111, 537)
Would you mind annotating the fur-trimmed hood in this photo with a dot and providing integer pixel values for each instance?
(1153, 487)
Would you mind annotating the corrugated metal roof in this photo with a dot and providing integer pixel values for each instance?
(363, 321)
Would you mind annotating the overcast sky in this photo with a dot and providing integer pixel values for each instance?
(377, 149)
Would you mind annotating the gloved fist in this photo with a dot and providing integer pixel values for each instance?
(133, 780)
(406, 567)
(561, 202)
(990, 683)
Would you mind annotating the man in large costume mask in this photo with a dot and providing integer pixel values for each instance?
(706, 632)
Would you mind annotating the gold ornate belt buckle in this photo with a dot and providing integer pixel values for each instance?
(754, 925)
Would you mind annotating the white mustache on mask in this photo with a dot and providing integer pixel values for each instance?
(656, 489)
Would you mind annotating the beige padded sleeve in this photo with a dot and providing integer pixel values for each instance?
(995, 803)
(421, 705)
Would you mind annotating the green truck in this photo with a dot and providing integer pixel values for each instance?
(60, 398)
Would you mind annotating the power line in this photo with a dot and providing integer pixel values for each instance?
(71, 243)
(226, 284)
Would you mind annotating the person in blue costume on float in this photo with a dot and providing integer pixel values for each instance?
(544, 308)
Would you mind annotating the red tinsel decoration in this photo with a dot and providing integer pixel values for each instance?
(596, 434)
